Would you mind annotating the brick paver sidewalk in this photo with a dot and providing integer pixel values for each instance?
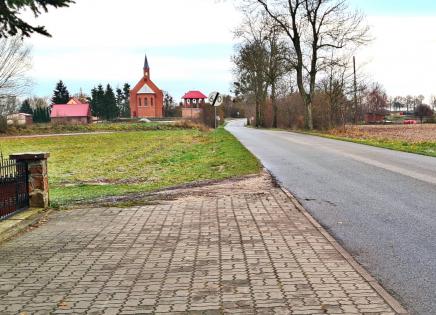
(237, 247)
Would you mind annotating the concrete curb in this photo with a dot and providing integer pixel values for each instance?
(20, 222)
(393, 303)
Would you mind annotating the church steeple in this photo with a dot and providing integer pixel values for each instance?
(146, 68)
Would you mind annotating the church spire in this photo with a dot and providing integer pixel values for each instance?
(146, 67)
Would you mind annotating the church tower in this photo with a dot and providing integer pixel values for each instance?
(146, 99)
(146, 68)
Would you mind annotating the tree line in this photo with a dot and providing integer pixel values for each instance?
(105, 103)
(299, 47)
(294, 66)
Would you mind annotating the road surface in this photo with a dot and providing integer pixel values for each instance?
(379, 204)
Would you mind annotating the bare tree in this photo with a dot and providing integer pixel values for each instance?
(251, 61)
(314, 28)
(377, 99)
(8, 105)
(277, 63)
(14, 64)
(422, 111)
(433, 102)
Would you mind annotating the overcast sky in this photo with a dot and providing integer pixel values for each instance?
(189, 44)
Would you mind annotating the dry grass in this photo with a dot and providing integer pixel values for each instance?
(407, 133)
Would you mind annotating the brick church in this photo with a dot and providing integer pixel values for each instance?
(146, 99)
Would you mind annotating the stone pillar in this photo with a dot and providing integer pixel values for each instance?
(37, 177)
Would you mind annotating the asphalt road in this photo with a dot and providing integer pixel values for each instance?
(379, 204)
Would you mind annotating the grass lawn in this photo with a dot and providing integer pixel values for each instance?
(423, 148)
(418, 139)
(82, 168)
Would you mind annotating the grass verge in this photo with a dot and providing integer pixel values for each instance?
(43, 129)
(86, 167)
(423, 148)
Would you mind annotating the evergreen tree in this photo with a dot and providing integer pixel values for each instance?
(26, 108)
(123, 101)
(126, 105)
(11, 22)
(97, 101)
(60, 94)
(110, 110)
(120, 101)
(41, 115)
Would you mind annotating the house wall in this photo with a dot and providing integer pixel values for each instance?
(19, 120)
(71, 120)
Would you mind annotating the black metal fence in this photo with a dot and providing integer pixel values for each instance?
(14, 192)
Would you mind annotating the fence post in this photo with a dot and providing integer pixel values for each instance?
(37, 177)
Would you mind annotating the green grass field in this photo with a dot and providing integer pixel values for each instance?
(82, 168)
(423, 148)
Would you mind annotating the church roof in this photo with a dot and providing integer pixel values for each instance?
(194, 95)
(146, 90)
(146, 65)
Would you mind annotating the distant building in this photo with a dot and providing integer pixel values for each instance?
(74, 101)
(146, 99)
(193, 102)
(376, 117)
(73, 113)
(19, 119)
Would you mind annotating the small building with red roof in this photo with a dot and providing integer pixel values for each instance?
(193, 102)
(73, 113)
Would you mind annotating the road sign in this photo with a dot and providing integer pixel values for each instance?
(216, 99)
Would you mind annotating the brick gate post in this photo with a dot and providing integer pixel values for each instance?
(37, 171)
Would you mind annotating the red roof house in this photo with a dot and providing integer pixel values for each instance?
(192, 105)
(76, 114)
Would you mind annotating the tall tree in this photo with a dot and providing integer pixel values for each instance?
(123, 101)
(251, 65)
(60, 94)
(423, 110)
(110, 109)
(41, 115)
(315, 28)
(12, 24)
(252, 62)
(169, 108)
(377, 100)
(97, 101)
(26, 108)
(14, 64)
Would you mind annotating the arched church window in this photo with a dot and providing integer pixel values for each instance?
(145, 101)
(140, 103)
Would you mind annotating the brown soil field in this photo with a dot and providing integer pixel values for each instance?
(408, 133)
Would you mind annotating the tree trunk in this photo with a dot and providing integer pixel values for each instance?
(309, 122)
(274, 105)
(308, 119)
(258, 114)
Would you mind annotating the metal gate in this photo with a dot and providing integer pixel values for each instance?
(14, 192)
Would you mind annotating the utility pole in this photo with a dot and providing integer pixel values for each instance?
(355, 90)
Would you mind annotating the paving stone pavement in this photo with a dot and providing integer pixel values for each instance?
(239, 247)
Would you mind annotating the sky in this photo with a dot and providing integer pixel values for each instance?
(189, 45)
